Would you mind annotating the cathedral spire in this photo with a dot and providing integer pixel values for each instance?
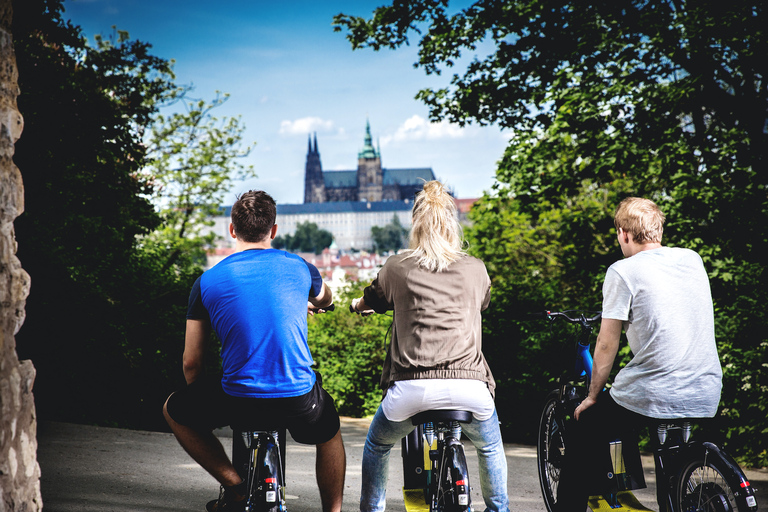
(368, 150)
(314, 182)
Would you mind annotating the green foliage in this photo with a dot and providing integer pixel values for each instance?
(662, 99)
(307, 238)
(391, 237)
(104, 324)
(349, 352)
(192, 163)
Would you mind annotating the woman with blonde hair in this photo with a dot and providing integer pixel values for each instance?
(435, 361)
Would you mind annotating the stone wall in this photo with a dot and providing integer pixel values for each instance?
(19, 471)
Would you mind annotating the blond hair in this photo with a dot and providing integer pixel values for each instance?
(641, 218)
(437, 238)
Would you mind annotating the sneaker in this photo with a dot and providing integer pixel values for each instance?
(229, 501)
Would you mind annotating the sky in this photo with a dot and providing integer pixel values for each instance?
(290, 75)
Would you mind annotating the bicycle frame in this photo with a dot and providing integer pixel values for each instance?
(433, 446)
(249, 448)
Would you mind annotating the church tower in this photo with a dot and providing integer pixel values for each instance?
(314, 184)
(369, 173)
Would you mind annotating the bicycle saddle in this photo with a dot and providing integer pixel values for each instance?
(442, 415)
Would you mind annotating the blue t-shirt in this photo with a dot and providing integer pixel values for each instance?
(256, 301)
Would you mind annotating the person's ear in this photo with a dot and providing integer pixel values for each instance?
(273, 234)
(232, 230)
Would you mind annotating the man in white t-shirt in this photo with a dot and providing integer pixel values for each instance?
(660, 297)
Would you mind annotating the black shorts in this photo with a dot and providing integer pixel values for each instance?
(203, 405)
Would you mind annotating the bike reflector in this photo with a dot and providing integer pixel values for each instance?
(270, 480)
(744, 485)
(461, 482)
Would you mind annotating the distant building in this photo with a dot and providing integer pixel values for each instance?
(349, 222)
(369, 182)
(346, 203)
(463, 206)
(350, 203)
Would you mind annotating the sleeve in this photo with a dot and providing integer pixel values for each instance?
(487, 298)
(195, 308)
(617, 297)
(316, 286)
(375, 294)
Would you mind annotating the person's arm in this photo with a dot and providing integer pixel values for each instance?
(605, 353)
(195, 341)
(323, 299)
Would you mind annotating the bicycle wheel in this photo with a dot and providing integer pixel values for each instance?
(704, 487)
(267, 492)
(550, 449)
(453, 491)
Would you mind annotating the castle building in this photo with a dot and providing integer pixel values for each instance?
(369, 182)
(346, 203)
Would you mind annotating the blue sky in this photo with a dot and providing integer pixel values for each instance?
(290, 75)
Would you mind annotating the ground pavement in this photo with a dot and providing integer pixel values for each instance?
(96, 469)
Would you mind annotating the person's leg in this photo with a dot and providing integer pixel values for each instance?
(587, 454)
(486, 437)
(382, 436)
(206, 450)
(330, 468)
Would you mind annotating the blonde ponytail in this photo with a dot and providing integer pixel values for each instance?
(437, 238)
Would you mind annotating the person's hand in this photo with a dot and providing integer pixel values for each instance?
(312, 309)
(584, 405)
(353, 308)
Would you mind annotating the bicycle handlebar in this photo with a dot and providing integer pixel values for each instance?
(580, 319)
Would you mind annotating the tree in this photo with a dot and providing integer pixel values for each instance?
(192, 163)
(308, 237)
(349, 351)
(664, 99)
(391, 237)
(100, 318)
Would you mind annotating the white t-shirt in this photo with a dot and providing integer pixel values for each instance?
(406, 398)
(663, 297)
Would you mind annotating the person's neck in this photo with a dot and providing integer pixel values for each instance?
(638, 248)
(245, 246)
(649, 246)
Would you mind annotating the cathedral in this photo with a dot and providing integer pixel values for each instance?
(369, 182)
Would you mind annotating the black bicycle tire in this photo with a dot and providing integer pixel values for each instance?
(547, 460)
(453, 469)
(268, 465)
(706, 484)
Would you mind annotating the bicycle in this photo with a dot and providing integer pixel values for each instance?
(691, 476)
(260, 461)
(435, 475)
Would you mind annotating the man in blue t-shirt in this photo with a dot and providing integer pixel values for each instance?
(256, 300)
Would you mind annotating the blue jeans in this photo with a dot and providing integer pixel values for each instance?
(383, 434)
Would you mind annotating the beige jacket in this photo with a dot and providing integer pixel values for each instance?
(437, 326)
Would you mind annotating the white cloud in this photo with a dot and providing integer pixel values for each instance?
(305, 125)
(418, 128)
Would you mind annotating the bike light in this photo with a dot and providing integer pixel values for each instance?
(744, 485)
(270, 480)
(461, 482)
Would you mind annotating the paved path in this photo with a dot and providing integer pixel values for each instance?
(95, 469)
